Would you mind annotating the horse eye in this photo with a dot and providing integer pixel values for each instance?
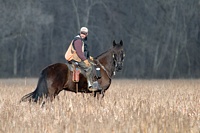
(122, 56)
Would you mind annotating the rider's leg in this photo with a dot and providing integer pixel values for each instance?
(88, 73)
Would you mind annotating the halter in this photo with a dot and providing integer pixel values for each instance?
(115, 61)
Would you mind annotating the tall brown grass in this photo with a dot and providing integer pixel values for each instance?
(129, 106)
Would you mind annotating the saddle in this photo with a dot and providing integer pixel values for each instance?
(76, 70)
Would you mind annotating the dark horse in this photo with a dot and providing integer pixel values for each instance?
(58, 77)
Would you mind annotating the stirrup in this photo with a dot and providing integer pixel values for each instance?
(95, 86)
(92, 88)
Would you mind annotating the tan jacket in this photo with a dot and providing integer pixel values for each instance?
(71, 53)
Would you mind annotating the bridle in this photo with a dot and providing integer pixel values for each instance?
(118, 62)
(115, 62)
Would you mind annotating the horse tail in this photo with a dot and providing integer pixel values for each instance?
(27, 97)
(40, 91)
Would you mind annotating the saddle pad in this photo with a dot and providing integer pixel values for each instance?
(71, 67)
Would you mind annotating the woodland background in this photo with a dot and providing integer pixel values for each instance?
(161, 37)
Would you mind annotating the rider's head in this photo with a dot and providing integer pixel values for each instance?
(83, 32)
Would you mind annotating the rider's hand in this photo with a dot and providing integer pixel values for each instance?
(91, 58)
(87, 63)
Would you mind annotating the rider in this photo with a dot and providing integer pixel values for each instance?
(77, 52)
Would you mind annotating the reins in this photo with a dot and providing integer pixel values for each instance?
(98, 63)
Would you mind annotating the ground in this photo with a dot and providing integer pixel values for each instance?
(129, 105)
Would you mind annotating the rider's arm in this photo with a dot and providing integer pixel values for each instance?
(78, 47)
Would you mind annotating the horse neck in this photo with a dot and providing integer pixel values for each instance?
(106, 59)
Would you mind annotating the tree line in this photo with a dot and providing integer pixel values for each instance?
(161, 38)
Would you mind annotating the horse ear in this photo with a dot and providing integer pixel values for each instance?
(121, 42)
(114, 43)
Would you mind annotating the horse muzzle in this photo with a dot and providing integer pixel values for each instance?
(119, 66)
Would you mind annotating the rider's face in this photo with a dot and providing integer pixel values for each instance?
(83, 35)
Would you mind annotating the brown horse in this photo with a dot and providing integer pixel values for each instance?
(58, 77)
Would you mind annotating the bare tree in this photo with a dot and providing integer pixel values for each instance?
(161, 38)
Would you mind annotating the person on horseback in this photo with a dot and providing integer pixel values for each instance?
(78, 52)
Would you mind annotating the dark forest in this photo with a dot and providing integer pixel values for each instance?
(161, 38)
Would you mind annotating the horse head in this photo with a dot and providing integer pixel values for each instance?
(118, 55)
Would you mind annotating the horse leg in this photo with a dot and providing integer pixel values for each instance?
(53, 92)
(83, 94)
(76, 87)
(93, 94)
(97, 94)
(103, 93)
(104, 88)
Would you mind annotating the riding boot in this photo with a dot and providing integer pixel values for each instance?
(93, 86)
(90, 85)
(89, 79)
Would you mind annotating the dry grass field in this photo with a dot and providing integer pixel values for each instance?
(129, 106)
